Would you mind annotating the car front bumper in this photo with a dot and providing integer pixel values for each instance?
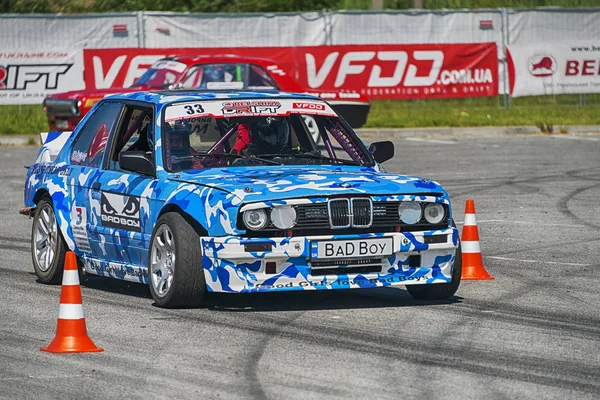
(235, 264)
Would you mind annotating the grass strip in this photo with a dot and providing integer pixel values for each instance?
(549, 113)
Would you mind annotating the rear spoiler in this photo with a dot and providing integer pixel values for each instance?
(52, 144)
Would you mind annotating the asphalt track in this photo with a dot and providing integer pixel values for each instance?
(534, 332)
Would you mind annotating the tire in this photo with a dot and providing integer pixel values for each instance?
(440, 291)
(48, 248)
(175, 272)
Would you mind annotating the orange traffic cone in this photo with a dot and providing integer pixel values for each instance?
(472, 263)
(71, 333)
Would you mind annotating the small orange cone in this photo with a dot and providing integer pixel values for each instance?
(71, 333)
(472, 263)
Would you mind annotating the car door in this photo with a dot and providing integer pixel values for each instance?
(126, 197)
(86, 158)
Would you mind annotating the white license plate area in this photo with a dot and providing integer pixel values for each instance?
(62, 123)
(355, 248)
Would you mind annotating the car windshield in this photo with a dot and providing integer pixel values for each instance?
(261, 132)
(227, 76)
(161, 74)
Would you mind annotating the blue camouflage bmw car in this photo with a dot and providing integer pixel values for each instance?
(191, 192)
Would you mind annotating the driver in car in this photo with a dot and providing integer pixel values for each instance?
(265, 135)
(179, 148)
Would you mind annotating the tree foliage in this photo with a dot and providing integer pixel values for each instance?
(203, 6)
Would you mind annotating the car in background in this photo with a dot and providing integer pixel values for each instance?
(226, 72)
(249, 204)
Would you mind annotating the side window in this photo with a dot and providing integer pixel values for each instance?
(135, 134)
(89, 146)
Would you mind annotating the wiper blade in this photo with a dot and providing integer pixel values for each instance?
(227, 155)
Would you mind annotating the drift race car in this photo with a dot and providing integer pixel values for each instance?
(225, 72)
(249, 204)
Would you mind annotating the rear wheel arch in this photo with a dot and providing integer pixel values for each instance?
(40, 194)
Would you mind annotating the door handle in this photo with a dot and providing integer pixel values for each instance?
(96, 186)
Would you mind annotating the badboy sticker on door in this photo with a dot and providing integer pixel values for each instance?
(121, 212)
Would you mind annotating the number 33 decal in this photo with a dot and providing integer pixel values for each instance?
(194, 109)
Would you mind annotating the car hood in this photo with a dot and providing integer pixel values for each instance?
(273, 183)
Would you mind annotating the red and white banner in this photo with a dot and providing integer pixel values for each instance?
(409, 71)
(554, 68)
(29, 76)
(376, 71)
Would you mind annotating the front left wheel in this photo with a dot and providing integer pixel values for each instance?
(175, 263)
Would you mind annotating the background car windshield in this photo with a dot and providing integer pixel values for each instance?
(162, 74)
(296, 139)
(227, 76)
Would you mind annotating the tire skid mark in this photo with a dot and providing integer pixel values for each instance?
(482, 361)
(532, 284)
(15, 239)
(252, 365)
(586, 329)
(563, 207)
(563, 175)
(549, 246)
(579, 376)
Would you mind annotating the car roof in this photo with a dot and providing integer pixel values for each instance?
(173, 96)
(221, 58)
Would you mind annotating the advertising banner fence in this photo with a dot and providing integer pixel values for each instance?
(410, 71)
(554, 68)
(29, 76)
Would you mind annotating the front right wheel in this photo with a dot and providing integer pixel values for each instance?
(175, 263)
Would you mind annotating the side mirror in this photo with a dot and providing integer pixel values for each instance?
(382, 151)
(136, 161)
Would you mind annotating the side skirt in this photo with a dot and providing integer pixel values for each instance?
(110, 269)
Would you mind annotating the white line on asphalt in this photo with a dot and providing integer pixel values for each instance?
(591, 139)
(536, 261)
(520, 222)
(431, 140)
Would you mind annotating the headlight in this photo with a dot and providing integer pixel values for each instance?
(283, 217)
(434, 213)
(409, 212)
(255, 219)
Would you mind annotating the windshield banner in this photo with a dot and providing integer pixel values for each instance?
(402, 71)
(226, 108)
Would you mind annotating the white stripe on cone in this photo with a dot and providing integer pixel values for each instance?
(70, 311)
(470, 220)
(70, 277)
(470, 246)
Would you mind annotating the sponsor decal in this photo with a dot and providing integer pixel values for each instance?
(403, 71)
(542, 65)
(78, 157)
(120, 211)
(250, 107)
(21, 76)
(79, 228)
(344, 282)
(95, 267)
(557, 68)
(26, 77)
(309, 106)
